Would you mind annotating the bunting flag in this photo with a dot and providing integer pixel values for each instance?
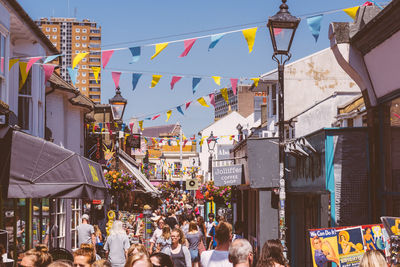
(212, 100)
(31, 62)
(250, 36)
(148, 119)
(115, 76)
(256, 80)
(188, 44)
(48, 71)
(155, 80)
(169, 112)
(50, 58)
(217, 80)
(231, 137)
(24, 74)
(195, 83)
(224, 93)
(78, 59)
(159, 48)
(314, 24)
(277, 31)
(188, 104)
(174, 80)
(202, 102)
(135, 80)
(155, 117)
(12, 62)
(352, 11)
(109, 127)
(96, 71)
(214, 40)
(135, 51)
(184, 142)
(73, 73)
(178, 142)
(94, 128)
(131, 126)
(141, 125)
(193, 137)
(234, 85)
(179, 109)
(105, 57)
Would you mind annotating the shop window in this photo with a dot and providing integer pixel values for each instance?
(60, 221)
(75, 221)
(25, 102)
(177, 169)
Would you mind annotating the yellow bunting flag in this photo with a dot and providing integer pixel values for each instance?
(141, 125)
(96, 71)
(201, 141)
(250, 36)
(202, 102)
(217, 80)
(12, 62)
(78, 59)
(352, 11)
(177, 142)
(256, 80)
(155, 80)
(24, 74)
(169, 112)
(224, 93)
(159, 48)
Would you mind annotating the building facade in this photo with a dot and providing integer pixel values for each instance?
(72, 37)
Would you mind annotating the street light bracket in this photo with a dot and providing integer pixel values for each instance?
(281, 60)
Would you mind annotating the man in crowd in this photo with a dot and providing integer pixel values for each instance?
(171, 219)
(219, 256)
(209, 226)
(241, 253)
(157, 233)
(86, 232)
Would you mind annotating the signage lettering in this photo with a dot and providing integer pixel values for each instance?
(93, 172)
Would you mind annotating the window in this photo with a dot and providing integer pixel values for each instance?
(77, 44)
(273, 99)
(94, 59)
(84, 74)
(83, 81)
(177, 168)
(75, 221)
(77, 81)
(84, 60)
(94, 89)
(54, 29)
(84, 89)
(55, 44)
(77, 51)
(84, 45)
(54, 37)
(84, 31)
(95, 38)
(94, 45)
(84, 67)
(25, 102)
(77, 30)
(84, 37)
(47, 29)
(48, 36)
(94, 96)
(94, 31)
(77, 37)
(60, 219)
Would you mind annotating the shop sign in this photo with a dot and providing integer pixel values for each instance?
(223, 151)
(227, 175)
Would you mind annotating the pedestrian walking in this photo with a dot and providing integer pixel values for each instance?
(241, 253)
(164, 241)
(37, 257)
(117, 245)
(86, 232)
(219, 256)
(179, 253)
(84, 256)
(157, 233)
(194, 238)
(209, 228)
(272, 255)
(238, 230)
(171, 219)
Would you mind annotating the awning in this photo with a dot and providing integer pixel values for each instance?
(41, 169)
(148, 187)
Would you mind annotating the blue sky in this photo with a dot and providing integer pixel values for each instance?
(125, 23)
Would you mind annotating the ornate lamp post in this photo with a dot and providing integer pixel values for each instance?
(162, 159)
(282, 27)
(118, 104)
(211, 142)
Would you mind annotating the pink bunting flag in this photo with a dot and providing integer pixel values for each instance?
(31, 62)
(109, 128)
(277, 31)
(116, 75)
(188, 45)
(212, 100)
(234, 85)
(48, 71)
(184, 142)
(105, 57)
(131, 126)
(188, 104)
(174, 80)
(155, 117)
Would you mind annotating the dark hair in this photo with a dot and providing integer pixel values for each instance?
(223, 232)
(41, 255)
(164, 259)
(272, 252)
(211, 215)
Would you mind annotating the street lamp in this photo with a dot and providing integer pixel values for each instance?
(118, 104)
(282, 27)
(211, 142)
(162, 159)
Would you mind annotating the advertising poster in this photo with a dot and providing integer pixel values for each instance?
(351, 246)
(373, 237)
(324, 247)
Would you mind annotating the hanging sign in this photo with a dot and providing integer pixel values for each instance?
(228, 175)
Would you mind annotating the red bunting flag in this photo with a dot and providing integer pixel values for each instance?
(31, 62)
(234, 85)
(184, 142)
(48, 71)
(188, 45)
(193, 137)
(174, 80)
(105, 57)
(116, 75)
(212, 100)
(109, 128)
(155, 117)
(188, 104)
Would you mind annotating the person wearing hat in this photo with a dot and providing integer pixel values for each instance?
(86, 232)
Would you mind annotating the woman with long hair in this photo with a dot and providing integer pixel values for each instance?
(194, 237)
(84, 256)
(137, 248)
(272, 255)
(202, 226)
(179, 253)
(117, 245)
(37, 257)
(164, 241)
(138, 260)
(373, 258)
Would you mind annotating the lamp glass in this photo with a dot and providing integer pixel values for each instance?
(117, 110)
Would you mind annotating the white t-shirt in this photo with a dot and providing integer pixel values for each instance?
(215, 258)
(157, 233)
(209, 226)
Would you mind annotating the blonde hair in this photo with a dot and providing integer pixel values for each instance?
(140, 249)
(182, 238)
(101, 263)
(373, 258)
(41, 255)
(166, 232)
(86, 250)
(132, 259)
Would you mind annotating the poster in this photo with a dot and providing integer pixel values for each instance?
(351, 246)
(324, 247)
(373, 237)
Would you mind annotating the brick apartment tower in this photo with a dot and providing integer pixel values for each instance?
(71, 37)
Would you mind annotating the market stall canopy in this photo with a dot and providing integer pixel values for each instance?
(130, 165)
(41, 169)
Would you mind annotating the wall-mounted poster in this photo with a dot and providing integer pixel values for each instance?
(324, 247)
(351, 246)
